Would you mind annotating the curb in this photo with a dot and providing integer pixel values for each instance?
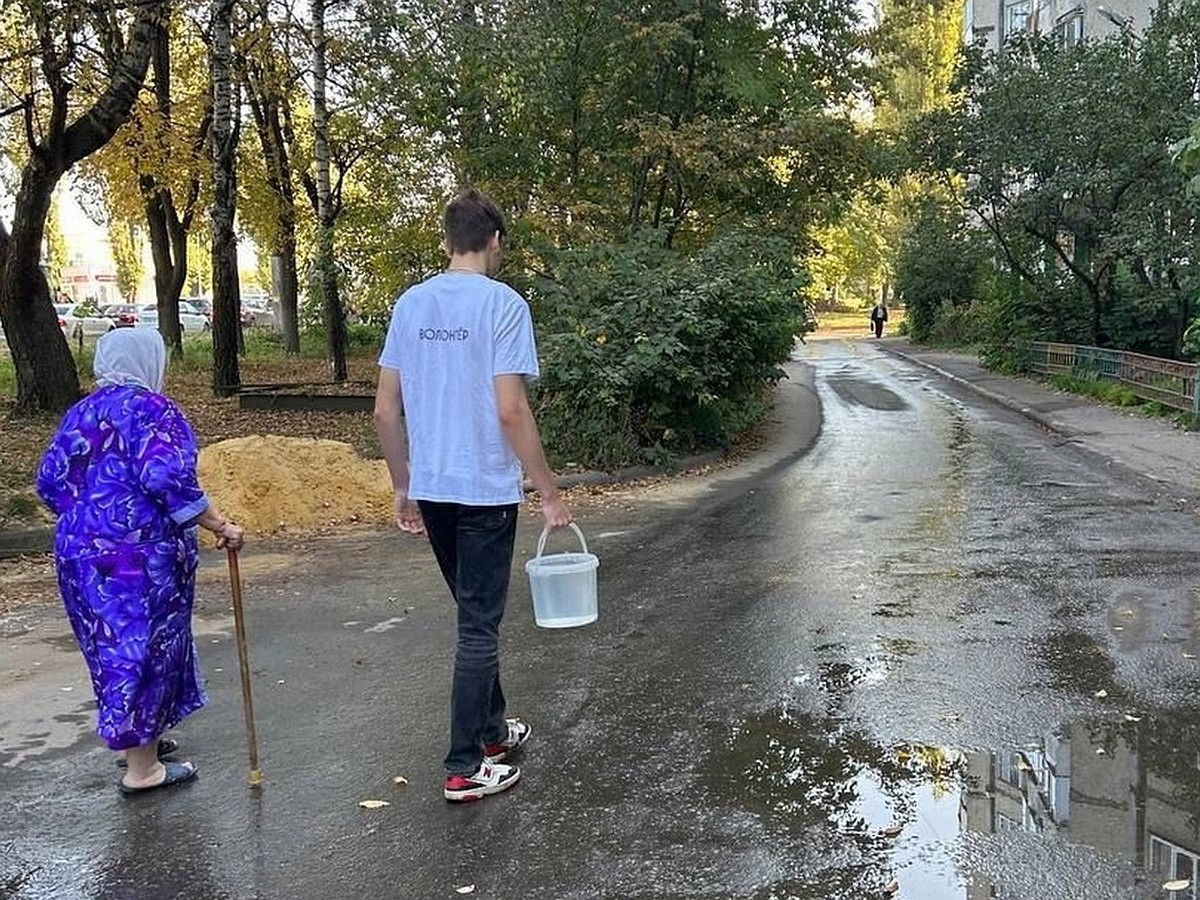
(1030, 414)
(633, 473)
(30, 540)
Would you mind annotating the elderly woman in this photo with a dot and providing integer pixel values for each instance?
(120, 475)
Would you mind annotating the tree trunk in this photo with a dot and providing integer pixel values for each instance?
(46, 375)
(160, 210)
(266, 103)
(335, 321)
(226, 294)
(164, 266)
(472, 125)
(288, 289)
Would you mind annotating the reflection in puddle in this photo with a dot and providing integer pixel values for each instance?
(1110, 806)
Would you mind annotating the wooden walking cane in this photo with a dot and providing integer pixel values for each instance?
(239, 625)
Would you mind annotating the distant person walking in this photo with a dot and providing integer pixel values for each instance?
(879, 316)
(120, 474)
(452, 374)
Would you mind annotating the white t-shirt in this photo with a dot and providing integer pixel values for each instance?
(449, 337)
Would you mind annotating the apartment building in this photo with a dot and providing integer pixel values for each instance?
(1129, 791)
(993, 22)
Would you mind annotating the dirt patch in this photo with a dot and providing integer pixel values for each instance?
(26, 581)
(270, 483)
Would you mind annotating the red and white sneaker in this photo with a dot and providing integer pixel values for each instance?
(518, 733)
(488, 779)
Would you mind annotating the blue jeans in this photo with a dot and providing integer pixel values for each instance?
(474, 549)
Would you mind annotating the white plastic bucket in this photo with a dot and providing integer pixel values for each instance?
(563, 585)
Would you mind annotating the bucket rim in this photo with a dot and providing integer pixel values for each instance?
(562, 563)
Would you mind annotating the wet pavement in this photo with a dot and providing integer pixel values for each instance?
(936, 652)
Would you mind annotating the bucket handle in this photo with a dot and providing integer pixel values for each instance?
(546, 533)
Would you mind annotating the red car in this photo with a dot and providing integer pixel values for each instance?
(124, 315)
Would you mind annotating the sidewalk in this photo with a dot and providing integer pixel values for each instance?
(1151, 447)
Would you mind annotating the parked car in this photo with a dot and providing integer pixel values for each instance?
(124, 315)
(190, 321)
(82, 320)
(199, 319)
(250, 307)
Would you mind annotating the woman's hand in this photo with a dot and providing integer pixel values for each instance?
(230, 536)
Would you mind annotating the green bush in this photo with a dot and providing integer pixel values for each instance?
(937, 271)
(956, 326)
(365, 336)
(648, 351)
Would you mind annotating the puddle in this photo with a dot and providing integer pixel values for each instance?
(859, 392)
(1079, 664)
(1098, 808)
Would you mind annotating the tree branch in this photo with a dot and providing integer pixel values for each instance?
(95, 128)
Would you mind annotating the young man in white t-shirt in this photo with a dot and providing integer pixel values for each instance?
(452, 375)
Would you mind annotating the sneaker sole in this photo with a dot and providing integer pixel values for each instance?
(481, 792)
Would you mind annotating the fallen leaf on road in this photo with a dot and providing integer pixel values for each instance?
(1101, 693)
(400, 780)
(465, 889)
(1181, 884)
(373, 804)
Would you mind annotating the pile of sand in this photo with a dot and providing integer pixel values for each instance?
(271, 483)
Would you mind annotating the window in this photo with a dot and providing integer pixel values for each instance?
(1068, 30)
(1016, 17)
(1171, 861)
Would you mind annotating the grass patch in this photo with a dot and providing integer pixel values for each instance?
(1100, 389)
(1116, 394)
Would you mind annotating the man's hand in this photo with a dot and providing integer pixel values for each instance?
(408, 514)
(555, 514)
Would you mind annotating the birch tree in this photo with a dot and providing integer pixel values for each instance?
(335, 321)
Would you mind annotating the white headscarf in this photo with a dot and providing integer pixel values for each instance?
(135, 356)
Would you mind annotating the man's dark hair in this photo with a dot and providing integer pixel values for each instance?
(470, 221)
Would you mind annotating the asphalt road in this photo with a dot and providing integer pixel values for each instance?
(933, 651)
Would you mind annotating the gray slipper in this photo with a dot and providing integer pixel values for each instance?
(177, 773)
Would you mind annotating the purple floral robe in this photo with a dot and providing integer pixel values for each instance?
(120, 474)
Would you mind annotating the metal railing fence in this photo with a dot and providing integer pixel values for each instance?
(1166, 381)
